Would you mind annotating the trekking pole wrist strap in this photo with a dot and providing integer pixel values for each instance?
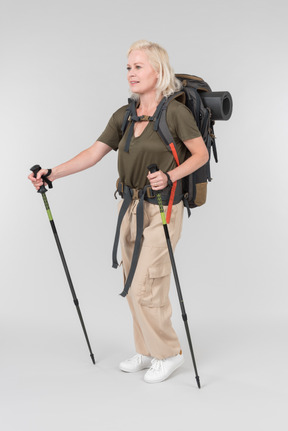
(45, 178)
(170, 183)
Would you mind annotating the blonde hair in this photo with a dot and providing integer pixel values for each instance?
(167, 83)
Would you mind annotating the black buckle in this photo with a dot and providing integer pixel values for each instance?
(119, 188)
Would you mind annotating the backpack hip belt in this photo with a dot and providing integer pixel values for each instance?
(149, 196)
(129, 194)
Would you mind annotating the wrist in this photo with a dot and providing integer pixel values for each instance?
(46, 178)
(169, 180)
(53, 174)
(49, 172)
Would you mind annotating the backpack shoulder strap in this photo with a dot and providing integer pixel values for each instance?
(160, 124)
(162, 129)
(130, 110)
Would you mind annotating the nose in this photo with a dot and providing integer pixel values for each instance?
(131, 72)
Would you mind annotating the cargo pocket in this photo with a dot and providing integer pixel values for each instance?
(156, 289)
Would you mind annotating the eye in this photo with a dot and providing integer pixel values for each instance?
(128, 68)
(138, 67)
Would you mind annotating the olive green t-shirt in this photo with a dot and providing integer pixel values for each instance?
(149, 148)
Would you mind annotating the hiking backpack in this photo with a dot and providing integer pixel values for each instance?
(206, 107)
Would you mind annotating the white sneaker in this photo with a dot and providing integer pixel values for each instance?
(161, 369)
(136, 363)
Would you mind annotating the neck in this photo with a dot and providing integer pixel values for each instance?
(148, 103)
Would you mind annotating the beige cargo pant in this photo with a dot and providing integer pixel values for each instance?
(148, 296)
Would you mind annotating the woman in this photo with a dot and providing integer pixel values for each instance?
(150, 78)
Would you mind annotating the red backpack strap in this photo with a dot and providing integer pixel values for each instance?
(162, 128)
(173, 190)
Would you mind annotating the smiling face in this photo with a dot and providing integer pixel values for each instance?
(142, 77)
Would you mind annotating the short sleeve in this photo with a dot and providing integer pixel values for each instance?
(112, 134)
(181, 121)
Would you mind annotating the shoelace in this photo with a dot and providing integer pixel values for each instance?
(157, 364)
(136, 358)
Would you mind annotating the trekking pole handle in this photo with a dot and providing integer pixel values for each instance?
(35, 169)
(152, 168)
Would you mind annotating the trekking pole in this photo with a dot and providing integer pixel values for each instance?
(35, 169)
(153, 168)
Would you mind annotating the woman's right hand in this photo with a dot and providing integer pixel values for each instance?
(38, 181)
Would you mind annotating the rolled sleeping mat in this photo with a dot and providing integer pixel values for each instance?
(220, 103)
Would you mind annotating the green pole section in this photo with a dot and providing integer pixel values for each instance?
(162, 213)
(47, 206)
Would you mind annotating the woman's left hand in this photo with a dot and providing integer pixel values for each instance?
(158, 180)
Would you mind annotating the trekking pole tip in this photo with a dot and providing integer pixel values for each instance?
(93, 359)
(198, 381)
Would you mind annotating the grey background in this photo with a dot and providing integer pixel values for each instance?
(63, 73)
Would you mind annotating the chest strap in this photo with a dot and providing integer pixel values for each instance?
(132, 117)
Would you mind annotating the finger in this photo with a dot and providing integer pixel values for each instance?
(38, 182)
(41, 172)
(152, 176)
(31, 178)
